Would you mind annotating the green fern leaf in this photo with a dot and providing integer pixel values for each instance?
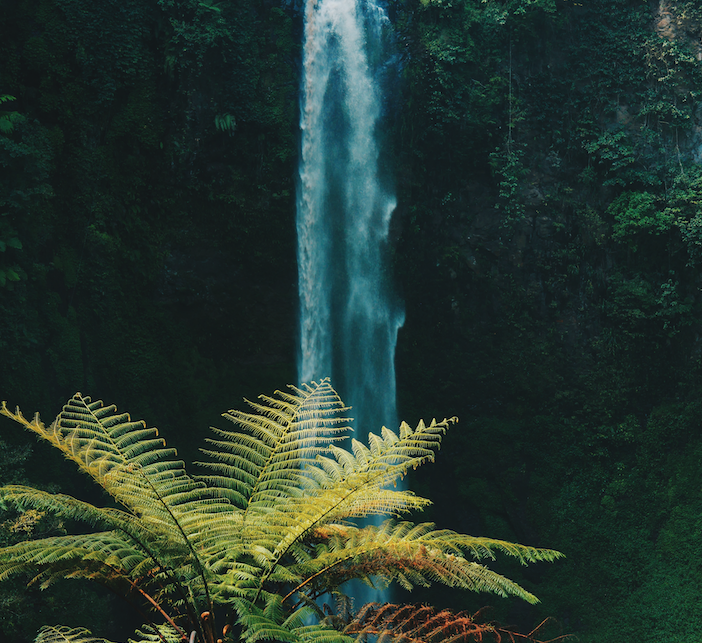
(61, 634)
(134, 465)
(410, 555)
(283, 436)
(97, 555)
(157, 634)
(23, 497)
(266, 624)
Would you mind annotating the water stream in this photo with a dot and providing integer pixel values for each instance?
(348, 317)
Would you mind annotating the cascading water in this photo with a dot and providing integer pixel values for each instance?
(349, 322)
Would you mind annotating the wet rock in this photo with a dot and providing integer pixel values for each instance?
(545, 227)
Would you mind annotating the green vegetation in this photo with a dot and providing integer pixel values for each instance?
(138, 135)
(550, 264)
(264, 534)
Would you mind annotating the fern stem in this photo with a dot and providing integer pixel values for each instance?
(118, 574)
(319, 573)
(132, 604)
(170, 574)
(207, 620)
(158, 608)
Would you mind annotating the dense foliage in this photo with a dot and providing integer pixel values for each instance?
(145, 194)
(550, 197)
(548, 245)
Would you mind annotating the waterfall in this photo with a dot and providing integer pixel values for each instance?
(348, 318)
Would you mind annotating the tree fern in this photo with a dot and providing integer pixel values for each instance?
(266, 529)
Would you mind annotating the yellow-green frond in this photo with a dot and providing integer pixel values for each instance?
(410, 555)
(270, 623)
(130, 462)
(24, 497)
(99, 554)
(368, 473)
(351, 485)
(318, 634)
(62, 634)
(157, 634)
(265, 458)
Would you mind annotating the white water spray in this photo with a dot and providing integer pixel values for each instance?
(348, 321)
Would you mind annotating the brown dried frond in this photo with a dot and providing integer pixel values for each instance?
(392, 623)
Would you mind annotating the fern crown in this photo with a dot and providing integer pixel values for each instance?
(270, 525)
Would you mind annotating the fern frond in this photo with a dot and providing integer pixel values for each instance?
(298, 622)
(256, 627)
(24, 497)
(281, 437)
(126, 458)
(318, 634)
(100, 554)
(157, 634)
(268, 624)
(366, 474)
(62, 634)
(136, 467)
(410, 554)
(353, 485)
(389, 457)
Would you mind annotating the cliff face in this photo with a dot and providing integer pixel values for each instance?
(148, 187)
(548, 247)
(549, 258)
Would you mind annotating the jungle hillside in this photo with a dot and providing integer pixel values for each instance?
(547, 246)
